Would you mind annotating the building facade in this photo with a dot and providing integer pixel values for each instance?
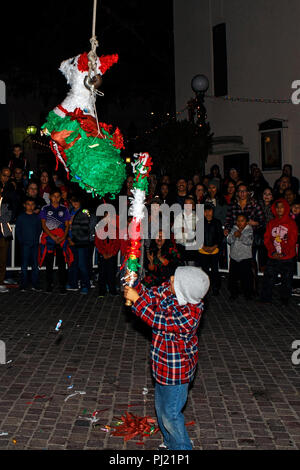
(248, 49)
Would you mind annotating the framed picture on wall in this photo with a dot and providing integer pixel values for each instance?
(271, 150)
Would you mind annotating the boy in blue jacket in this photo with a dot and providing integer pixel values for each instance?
(28, 231)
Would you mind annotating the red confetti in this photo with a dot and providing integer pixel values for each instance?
(134, 426)
(190, 423)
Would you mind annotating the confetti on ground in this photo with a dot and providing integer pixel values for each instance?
(135, 426)
(3, 434)
(14, 441)
(73, 395)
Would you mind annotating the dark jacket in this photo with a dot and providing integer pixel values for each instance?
(5, 217)
(82, 228)
(28, 229)
(213, 233)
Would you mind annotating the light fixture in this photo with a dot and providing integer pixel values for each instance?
(200, 84)
(31, 130)
(128, 160)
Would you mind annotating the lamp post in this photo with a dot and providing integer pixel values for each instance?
(196, 107)
(199, 85)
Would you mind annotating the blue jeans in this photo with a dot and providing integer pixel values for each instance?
(79, 269)
(169, 401)
(29, 256)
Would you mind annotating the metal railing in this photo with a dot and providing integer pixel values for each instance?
(11, 262)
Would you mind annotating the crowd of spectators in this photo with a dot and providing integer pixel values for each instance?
(55, 219)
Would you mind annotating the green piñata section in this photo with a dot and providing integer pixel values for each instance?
(94, 163)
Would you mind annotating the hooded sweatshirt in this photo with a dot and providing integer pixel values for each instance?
(281, 233)
(190, 284)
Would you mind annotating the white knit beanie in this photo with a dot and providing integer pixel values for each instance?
(190, 284)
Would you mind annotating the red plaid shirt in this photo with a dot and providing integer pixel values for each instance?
(174, 349)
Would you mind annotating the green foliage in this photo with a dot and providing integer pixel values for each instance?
(177, 148)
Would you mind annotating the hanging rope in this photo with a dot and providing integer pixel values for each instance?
(92, 63)
(92, 56)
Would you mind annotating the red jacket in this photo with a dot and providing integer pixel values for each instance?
(281, 234)
(109, 246)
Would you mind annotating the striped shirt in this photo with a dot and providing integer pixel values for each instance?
(174, 349)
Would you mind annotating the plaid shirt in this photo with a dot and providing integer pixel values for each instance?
(174, 349)
(252, 210)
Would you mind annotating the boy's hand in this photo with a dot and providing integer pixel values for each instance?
(131, 294)
(237, 234)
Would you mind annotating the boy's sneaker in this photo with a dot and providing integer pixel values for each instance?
(3, 289)
(162, 446)
(36, 289)
(84, 290)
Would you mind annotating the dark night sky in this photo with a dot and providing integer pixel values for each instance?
(42, 34)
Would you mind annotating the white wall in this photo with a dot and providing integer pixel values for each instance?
(263, 61)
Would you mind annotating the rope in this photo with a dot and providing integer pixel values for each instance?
(92, 63)
(92, 55)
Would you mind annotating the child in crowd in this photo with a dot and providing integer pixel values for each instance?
(208, 256)
(55, 224)
(81, 225)
(173, 311)
(107, 254)
(240, 240)
(280, 240)
(28, 231)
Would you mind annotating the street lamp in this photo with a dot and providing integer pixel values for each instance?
(199, 85)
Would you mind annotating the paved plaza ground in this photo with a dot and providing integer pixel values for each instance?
(246, 394)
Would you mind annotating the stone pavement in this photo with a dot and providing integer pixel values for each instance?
(246, 394)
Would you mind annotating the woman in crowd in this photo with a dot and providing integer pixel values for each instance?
(46, 186)
(162, 259)
(184, 230)
(200, 194)
(215, 198)
(215, 176)
(233, 175)
(229, 192)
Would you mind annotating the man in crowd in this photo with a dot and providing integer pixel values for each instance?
(18, 160)
(181, 192)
